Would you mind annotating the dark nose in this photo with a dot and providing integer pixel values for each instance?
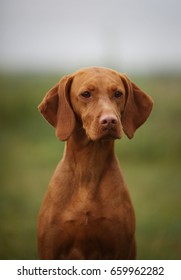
(108, 120)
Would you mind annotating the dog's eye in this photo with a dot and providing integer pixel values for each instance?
(118, 94)
(86, 94)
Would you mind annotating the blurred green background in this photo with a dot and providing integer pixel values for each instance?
(151, 164)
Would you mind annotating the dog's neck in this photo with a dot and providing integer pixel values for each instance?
(84, 158)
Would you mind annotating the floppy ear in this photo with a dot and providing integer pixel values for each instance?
(56, 108)
(49, 105)
(137, 109)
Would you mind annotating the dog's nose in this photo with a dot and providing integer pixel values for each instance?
(108, 120)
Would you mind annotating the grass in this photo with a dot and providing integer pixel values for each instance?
(150, 162)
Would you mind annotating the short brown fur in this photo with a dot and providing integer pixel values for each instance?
(87, 212)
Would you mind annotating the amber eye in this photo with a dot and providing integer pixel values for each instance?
(118, 94)
(86, 94)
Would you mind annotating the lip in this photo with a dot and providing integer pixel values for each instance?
(104, 133)
(109, 133)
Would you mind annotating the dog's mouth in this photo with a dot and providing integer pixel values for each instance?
(96, 132)
(107, 133)
(110, 133)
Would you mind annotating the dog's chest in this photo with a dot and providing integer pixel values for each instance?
(86, 220)
(102, 203)
(86, 208)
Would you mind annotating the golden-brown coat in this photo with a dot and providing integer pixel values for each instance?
(87, 212)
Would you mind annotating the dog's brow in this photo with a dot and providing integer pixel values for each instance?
(114, 87)
(91, 87)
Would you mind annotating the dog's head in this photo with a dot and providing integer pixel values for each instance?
(103, 102)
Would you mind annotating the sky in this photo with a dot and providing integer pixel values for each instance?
(58, 35)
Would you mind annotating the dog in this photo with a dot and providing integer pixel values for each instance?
(87, 212)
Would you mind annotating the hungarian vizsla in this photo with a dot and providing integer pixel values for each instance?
(87, 212)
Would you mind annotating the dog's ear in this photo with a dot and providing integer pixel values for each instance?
(49, 105)
(65, 114)
(56, 108)
(138, 107)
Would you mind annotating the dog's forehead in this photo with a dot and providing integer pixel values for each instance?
(96, 76)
